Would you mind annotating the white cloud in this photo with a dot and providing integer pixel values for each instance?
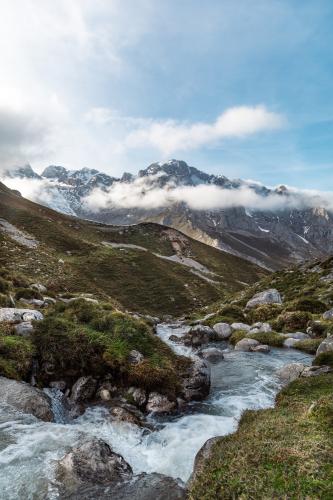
(171, 136)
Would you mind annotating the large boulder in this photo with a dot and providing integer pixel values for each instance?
(93, 462)
(325, 346)
(290, 372)
(246, 345)
(199, 335)
(14, 315)
(25, 398)
(270, 296)
(196, 384)
(222, 331)
(157, 403)
(260, 328)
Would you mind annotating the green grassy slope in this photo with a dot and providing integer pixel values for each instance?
(71, 257)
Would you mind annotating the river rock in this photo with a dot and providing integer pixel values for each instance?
(326, 345)
(157, 403)
(138, 396)
(176, 339)
(122, 415)
(211, 354)
(328, 314)
(198, 335)
(297, 335)
(290, 372)
(104, 394)
(83, 390)
(261, 327)
(313, 371)
(261, 348)
(13, 315)
(39, 287)
(246, 345)
(202, 457)
(240, 326)
(196, 384)
(270, 296)
(25, 398)
(142, 487)
(222, 331)
(24, 329)
(93, 462)
(290, 342)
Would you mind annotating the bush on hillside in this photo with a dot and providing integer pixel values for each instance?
(264, 312)
(291, 321)
(325, 358)
(270, 338)
(308, 304)
(27, 293)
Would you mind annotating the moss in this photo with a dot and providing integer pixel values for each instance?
(263, 312)
(285, 452)
(309, 345)
(27, 293)
(227, 314)
(237, 335)
(16, 355)
(325, 358)
(4, 300)
(4, 285)
(292, 321)
(270, 338)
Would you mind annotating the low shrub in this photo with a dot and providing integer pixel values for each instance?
(291, 321)
(16, 355)
(228, 314)
(237, 335)
(27, 293)
(270, 338)
(264, 312)
(4, 285)
(308, 304)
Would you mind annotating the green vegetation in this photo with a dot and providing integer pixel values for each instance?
(292, 321)
(263, 313)
(228, 314)
(270, 338)
(325, 358)
(27, 293)
(83, 338)
(285, 452)
(309, 345)
(16, 355)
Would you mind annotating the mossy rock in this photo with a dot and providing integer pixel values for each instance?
(16, 354)
(309, 345)
(270, 338)
(325, 358)
(237, 335)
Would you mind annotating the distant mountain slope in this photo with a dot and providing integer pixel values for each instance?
(271, 238)
(146, 268)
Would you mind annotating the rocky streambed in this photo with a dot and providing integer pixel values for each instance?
(31, 449)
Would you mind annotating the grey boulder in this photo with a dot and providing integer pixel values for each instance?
(325, 346)
(222, 331)
(13, 314)
(26, 399)
(157, 403)
(290, 372)
(196, 383)
(240, 326)
(270, 296)
(328, 314)
(246, 345)
(211, 354)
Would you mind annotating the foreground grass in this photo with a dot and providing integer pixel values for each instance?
(285, 452)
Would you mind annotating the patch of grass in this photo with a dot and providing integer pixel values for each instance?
(270, 338)
(325, 358)
(309, 345)
(292, 321)
(285, 452)
(227, 314)
(16, 355)
(263, 313)
(237, 335)
(308, 304)
(4, 285)
(27, 293)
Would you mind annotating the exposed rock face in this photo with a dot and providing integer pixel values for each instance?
(197, 384)
(271, 296)
(122, 415)
(25, 398)
(211, 354)
(325, 346)
(291, 372)
(157, 403)
(12, 314)
(92, 462)
(222, 331)
(246, 345)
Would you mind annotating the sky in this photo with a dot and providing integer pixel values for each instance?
(240, 88)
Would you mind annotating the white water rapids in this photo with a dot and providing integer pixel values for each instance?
(29, 447)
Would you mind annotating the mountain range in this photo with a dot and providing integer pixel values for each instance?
(271, 236)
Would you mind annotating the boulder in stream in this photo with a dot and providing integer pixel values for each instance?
(196, 384)
(25, 398)
(246, 345)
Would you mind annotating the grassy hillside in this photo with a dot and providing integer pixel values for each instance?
(70, 255)
(285, 452)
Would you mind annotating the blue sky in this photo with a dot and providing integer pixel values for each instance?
(116, 85)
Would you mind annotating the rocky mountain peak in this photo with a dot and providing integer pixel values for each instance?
(24, 171)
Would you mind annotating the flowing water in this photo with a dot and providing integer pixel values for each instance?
(29, 447)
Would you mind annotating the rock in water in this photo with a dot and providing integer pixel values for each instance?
(271, 296)
(25, 398)
(197, 384)
(157, 403)
(246, 345)
(291, 372)
(222, 331)
(83, 390)
(211, 354)
(92, 462)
